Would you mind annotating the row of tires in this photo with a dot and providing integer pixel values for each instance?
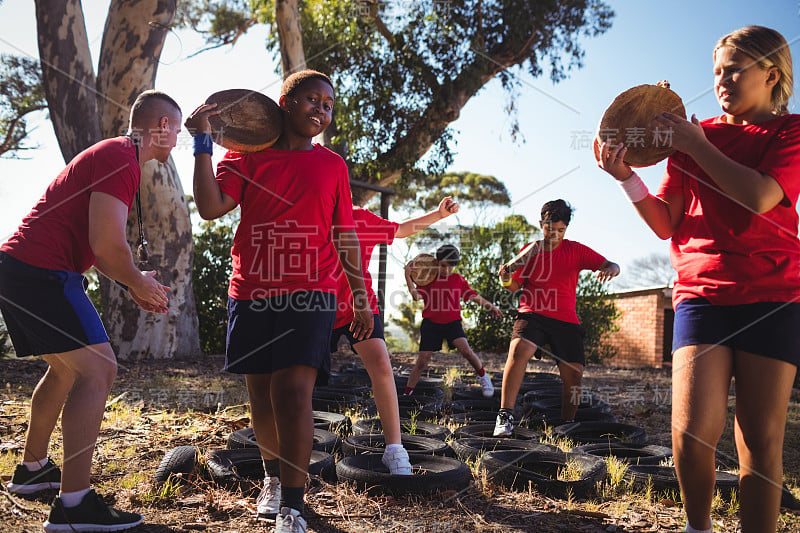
(513, 463)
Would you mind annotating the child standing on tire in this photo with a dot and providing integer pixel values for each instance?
(728, 200)
(282, 295)
(441, 317)
(373, 230)
(548, 280)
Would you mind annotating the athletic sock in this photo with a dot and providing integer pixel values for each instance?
(690, 529)
(272, 467)
(408, 391)
(392, 447)
(481, 372)
(292, 497)
(73, 499)
(35, 466)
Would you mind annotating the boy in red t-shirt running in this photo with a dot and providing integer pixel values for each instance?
(282, 295)
(441, 317)
(373, 230)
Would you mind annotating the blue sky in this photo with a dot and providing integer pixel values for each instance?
(648, 41)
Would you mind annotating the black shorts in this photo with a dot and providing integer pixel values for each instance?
(765, 328)
(46, 311)
(432, 334)
(275, 333)
(377, 333)
(565, 338)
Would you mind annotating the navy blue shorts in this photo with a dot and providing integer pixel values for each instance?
(275, 333)
(46, 311)
(432, 334)
(377, 333)
(771, 329)
(565, 338)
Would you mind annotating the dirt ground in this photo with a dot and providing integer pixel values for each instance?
(156, 406)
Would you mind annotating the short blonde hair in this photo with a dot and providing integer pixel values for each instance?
(768, 48)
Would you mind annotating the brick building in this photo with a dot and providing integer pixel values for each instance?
(645, 328)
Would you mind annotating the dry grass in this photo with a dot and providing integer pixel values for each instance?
(138, 430)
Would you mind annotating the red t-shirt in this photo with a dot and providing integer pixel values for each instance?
(372, 230)
(721, 251)
(549, 280)
(55, 234)
(443, 298)
(290, 200)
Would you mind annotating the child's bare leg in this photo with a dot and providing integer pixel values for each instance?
(763, 388)
(520, 352)
(423, 360)
(375, 356)
(463, 348)
(290, 390)
(571, 377)
(701, 377)
(262, 417)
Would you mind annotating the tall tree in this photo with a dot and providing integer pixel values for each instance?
(84, 109)
(404, 70)
(21, 93)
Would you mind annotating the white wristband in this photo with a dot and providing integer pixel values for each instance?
(634, 187)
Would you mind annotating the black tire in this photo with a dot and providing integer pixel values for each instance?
(516, 469)
(788, 501)
(535, 395)
(361, 391)
(485, 404)
(333, 422)
(180, 461)
(587, 405)
(229, 468)
(324, 441)
(430, 474)
(333, 402)
(487, 430)
(553, 418)
(414, 444)
(473, 417)
(373, 426)
(409, 405)
(424, 383)
(633, 454)
(475, 393)
(601, 432)
(664, 479)
(470, 448)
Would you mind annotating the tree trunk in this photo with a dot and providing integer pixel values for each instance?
(287, 17)
(132, 42)
(67, 73)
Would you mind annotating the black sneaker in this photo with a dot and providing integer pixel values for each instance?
(26, 482)
(92, 514)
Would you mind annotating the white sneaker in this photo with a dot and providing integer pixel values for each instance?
(269, 500)
(485, 381)
(290, 521)
(504, 426)
(396, 460)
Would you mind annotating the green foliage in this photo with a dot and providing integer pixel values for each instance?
(425, 191)
(210, 275)
(404, 70)
(598, 314)
(21, 92)
(408, 323)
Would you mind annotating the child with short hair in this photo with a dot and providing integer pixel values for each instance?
(441, 317)
(282, 295)
(728, 200)
(373, 230)
(547, 277)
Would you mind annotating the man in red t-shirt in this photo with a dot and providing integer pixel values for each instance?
(79, 222)
(441, 317)
(548, 280)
